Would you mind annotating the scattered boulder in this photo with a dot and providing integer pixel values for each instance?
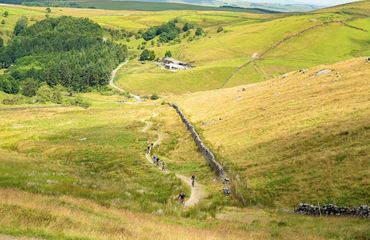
(285, 75)
(323, 72)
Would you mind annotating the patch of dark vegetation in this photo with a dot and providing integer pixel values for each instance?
(169, 31)
(65, 51)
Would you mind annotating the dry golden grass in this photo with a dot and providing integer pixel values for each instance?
(68, 217)
(64, 217)
(300, 137)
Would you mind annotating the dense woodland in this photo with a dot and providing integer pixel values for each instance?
(65, 51)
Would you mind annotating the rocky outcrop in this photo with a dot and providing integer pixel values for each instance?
(208, 155)
(332, 210)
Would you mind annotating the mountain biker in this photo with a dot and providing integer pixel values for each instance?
(181, 198)
(193, 181)
(157, 162)
(163, 168)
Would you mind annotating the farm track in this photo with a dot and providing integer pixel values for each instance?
(114, 86)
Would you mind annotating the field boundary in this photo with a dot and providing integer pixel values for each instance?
(207, 154)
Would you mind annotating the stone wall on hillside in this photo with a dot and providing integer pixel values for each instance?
(332, 210)
(208, 155)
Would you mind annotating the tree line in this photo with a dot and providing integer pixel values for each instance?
(65, 51)
(170, 31)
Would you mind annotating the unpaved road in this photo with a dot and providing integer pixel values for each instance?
(111, 82)
(197, 192)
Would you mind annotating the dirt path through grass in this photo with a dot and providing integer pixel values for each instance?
(113, 85)
(197, 192)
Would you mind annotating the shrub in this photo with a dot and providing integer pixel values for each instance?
(78, 101)
(168, 54)
(29, 87)
(187, 27)
(199, 31)
(220, 29)
(154, 97)
(8, 84)
(147, 55)
(44, 93)
(14, 100)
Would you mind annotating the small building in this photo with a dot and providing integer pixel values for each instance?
(173, 64)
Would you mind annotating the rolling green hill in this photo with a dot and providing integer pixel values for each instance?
(251, 50)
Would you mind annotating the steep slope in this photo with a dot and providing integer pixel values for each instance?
(301, 137)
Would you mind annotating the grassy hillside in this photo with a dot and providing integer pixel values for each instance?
(73, 173)
(252, 47)
(299, 138)
(83, 157)
(255, 49)
(70, 173)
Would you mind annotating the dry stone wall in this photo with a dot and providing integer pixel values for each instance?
(332, 210)
(208, 155)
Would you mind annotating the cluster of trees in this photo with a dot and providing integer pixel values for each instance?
(169, 31)
(147, 55)
(65, 51)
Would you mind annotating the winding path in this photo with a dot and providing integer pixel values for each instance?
(197, 192)
(113, 85)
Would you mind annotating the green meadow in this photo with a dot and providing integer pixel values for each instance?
(220, 59)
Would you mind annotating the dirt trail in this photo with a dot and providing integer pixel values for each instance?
(197, 192)
(111, 82)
